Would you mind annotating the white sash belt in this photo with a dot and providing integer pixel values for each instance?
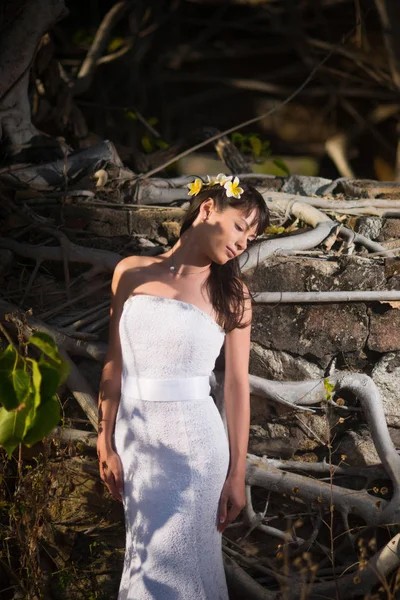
(187, 388)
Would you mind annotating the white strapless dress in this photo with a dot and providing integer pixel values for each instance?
(174, 452)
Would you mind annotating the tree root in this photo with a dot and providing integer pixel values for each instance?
(304, 241)
(354, 585)
(318, 297)
(103, 260)
(313, 392)
(60, 172)
(316, 492)
(244, 585)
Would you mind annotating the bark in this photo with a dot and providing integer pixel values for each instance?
(19, 40)
(60, 172)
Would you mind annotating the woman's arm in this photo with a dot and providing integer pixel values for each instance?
(237, 406)
(110, 383)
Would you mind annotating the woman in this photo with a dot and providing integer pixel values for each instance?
(169, 459)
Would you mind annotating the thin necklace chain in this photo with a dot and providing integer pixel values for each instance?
(173, 269)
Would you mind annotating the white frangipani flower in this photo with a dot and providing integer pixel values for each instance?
(233, 189)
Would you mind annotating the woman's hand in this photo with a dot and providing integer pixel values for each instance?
(111, 471)
(233, 493)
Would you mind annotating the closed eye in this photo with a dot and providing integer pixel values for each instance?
(241, 229)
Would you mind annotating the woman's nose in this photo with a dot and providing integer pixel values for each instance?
(242, 243)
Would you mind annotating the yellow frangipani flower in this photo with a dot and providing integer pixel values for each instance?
(195, 187)
(233, 189)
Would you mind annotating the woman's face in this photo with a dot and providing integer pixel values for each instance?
(228, 232)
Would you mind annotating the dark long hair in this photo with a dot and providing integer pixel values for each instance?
(224, 284)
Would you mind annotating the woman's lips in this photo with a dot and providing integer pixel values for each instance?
(231, 254)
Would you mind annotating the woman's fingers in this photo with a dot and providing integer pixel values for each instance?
(222, 511)
(232, 513)
(113, 488)
(112, 477)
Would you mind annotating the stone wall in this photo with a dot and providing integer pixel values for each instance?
(295, 342)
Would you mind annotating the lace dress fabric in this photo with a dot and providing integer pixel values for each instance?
(174, 455)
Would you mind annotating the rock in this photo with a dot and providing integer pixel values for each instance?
(390, 230)
(358, 448)
(386, 376)
(112, 222)
(385, 330)
(321, 331)
(281, 366)
(301, 274)
(272, 441)
(392, 266)
(171, 230)
(370, 227)
(145, 243)
(305, 185)
(287, 434)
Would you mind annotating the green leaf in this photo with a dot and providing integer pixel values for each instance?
(46, 344)
(147, 144)
(22, 384)
(131, 115)
(266, 150)
(274, 230)
(28, 390)
(12, 425)
(152, 121)
(281, 165)
(50, 379)
(34, 400)
(47, 417)
(8, 362)
(256, 145)
(162, 144)
(237, 138)
(115, 43)
(329, 387)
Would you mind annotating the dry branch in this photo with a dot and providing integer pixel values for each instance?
(98, 46)
(103, 260)
(61, 172)
(243, 584)
(354, 585)
(322, 297)
(317, 492)
(97, 350)
(82, 391)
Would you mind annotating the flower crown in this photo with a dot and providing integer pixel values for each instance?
(232, 187)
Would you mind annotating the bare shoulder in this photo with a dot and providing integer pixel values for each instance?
(127, 274)
(239, 334)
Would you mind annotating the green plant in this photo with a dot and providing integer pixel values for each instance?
(150, 141)
(259, 149)
(251, 142)
(30, 407)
